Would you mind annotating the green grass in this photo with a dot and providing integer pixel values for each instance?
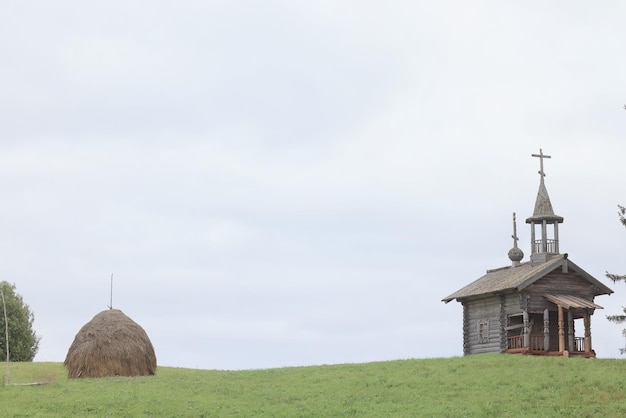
(475, 386)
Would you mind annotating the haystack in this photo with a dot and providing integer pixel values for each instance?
(111, 344)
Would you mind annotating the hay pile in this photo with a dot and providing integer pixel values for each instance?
(111, 344)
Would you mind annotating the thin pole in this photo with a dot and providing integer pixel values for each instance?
(111, 300)
(6, 331)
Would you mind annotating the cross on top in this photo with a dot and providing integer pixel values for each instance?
(541, 156)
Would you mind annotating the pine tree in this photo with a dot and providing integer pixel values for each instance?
(23, 342)
(619, 319)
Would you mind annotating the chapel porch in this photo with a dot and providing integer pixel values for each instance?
(552, 333)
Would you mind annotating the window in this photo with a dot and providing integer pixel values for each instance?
(483, 331)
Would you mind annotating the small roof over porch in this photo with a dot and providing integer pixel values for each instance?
(572, 302)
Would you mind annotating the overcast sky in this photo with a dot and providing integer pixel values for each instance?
(283, 183)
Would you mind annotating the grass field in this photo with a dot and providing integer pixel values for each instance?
(476, 386)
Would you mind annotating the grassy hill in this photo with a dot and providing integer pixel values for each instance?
(481, 386)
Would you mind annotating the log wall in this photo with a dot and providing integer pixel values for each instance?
(485, 311)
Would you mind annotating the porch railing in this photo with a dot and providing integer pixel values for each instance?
(537, 341)
(516, 341)
(579, 344)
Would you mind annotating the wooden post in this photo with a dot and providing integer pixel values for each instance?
(526, 329)
(570, 332)
(587, 320)
(532, 238)
(546, 329)
(556, 238)
(561, 330)
(544, 237)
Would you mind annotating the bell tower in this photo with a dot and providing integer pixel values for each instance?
(547, 245)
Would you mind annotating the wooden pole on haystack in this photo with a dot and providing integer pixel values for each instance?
(110, 306)
(6, 332)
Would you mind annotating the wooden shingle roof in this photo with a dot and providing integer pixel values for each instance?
(517, 278)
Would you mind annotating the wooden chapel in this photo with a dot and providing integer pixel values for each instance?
(531, 307)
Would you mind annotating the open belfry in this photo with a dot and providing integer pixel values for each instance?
(532, 307)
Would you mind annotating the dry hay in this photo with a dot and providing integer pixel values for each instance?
(111, 344)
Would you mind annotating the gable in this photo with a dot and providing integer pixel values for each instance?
(560, 283)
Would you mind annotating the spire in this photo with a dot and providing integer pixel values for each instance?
(543, 206)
